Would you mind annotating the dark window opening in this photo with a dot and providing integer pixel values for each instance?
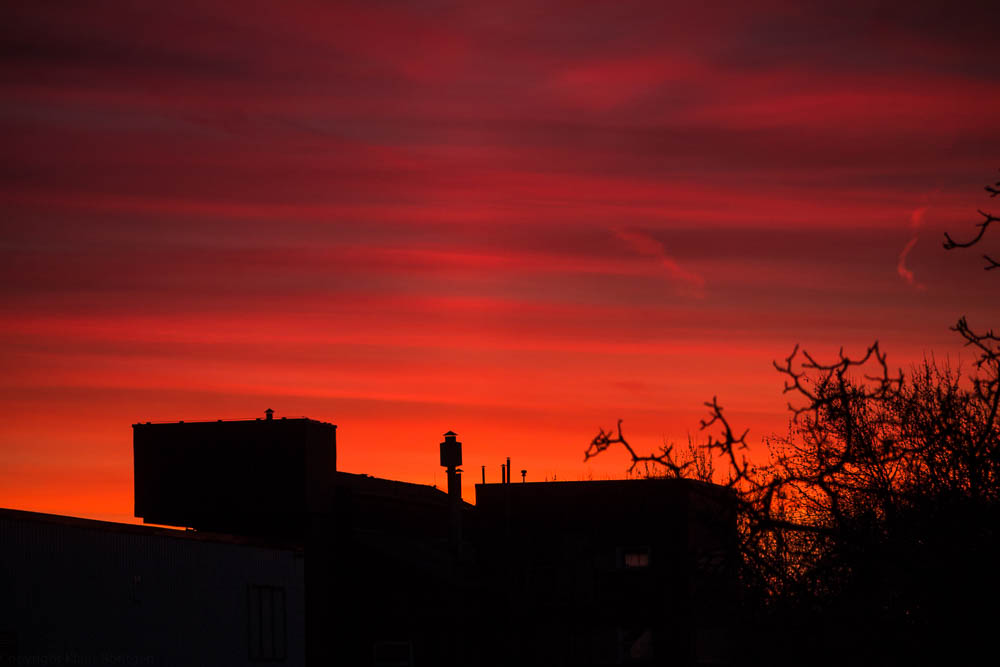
(136, 589)
(266, 623)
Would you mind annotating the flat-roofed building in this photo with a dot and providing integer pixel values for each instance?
(83, 592)
(252, 476)
(288, 559)
(607, 572)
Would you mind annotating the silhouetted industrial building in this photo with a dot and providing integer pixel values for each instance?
(263, 476)
(82, 592)
(326, 567)
(607, 572)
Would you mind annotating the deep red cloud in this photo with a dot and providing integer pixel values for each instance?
(519, 221)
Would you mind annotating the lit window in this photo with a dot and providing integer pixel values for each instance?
(635, 557)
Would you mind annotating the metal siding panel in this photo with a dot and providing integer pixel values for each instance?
(70, 589)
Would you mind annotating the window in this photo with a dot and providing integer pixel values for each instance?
(266, 623)
(136, 589)
(635, 557)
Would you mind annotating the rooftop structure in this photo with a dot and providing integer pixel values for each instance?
(244, 477)
(598, 572)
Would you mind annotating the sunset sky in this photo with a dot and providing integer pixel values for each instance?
(517, 220)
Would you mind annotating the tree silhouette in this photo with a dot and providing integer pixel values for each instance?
(870, 535)
(988, 219)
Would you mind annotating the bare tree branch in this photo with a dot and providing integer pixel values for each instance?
(988, 219)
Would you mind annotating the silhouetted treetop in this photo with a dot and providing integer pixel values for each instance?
(870, 532)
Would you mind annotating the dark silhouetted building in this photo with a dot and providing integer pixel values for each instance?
(263, 476)
(607, 572)
(82, 592)
(299, 562)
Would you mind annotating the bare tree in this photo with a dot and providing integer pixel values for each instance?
(884, 494)
(988, 219)
(874, 519)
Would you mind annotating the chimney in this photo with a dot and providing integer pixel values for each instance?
(451, 458)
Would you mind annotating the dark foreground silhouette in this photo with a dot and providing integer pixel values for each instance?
(870, 534)
(289, 560)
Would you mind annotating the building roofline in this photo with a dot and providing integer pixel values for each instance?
(141, 529)
(237, 421)
(590, 482)
(383, 486)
